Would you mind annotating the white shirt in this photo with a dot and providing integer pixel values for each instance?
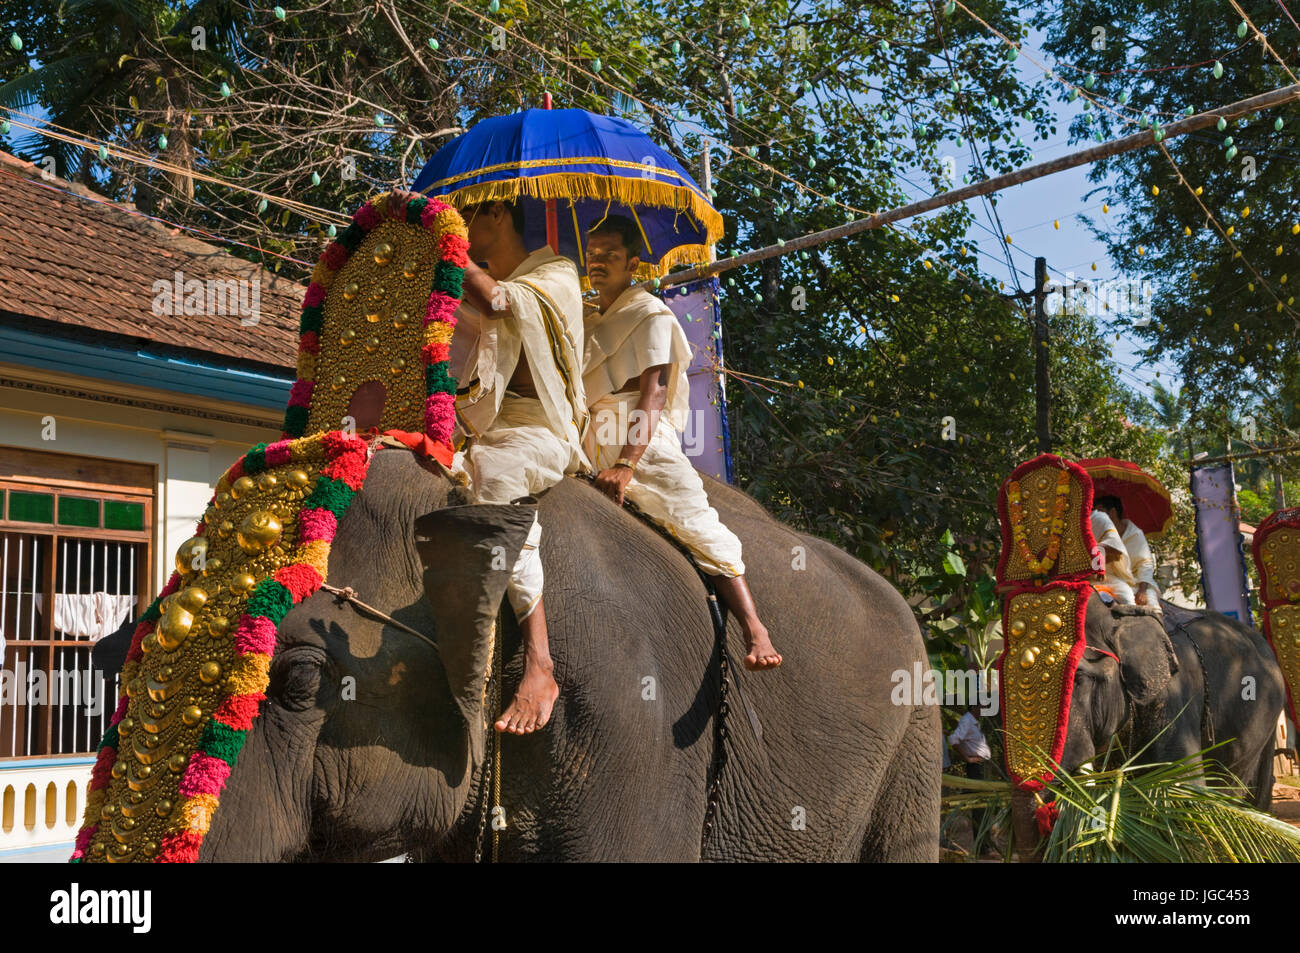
(1119, 576)
(1141, 561)
(969, 740)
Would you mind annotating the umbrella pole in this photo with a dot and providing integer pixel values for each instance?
(552, 220)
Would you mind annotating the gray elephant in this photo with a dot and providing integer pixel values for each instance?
(1216, 678)
(371, 742)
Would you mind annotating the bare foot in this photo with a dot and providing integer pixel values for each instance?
(531, 707)
(761, 653)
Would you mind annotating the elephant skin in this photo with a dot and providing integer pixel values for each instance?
(1160, 673)
(371, 743)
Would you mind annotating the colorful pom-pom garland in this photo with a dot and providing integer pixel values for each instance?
(341, 462)
(446, 226)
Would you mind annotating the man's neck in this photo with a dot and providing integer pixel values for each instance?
(503, 263)
(611, 294)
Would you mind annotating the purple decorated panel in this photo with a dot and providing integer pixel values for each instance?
(1219, 542)
(706, 439)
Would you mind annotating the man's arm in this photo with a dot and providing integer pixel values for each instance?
(641, 427)
(484, 292)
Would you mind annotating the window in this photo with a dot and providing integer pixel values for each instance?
(74, 565)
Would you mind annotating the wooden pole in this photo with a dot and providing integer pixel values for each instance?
(552, 219)
(1278, 97)
(1042, 379)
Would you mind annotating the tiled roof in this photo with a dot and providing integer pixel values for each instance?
(84, 262)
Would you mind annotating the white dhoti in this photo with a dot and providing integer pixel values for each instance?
(665, 486)
(519, 456)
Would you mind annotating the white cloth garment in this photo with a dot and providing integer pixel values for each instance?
(666, 487)
(636, 332)
(90, 615)
(1142, 562)
(520, 446)
(1119, 576)
(969, 740)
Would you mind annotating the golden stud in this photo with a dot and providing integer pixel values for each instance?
(372, 345)
(339, 382)
(174, 628)
(383, 253)
(192, 599)
(119, 770)
(351, 290)
(267, 480)
(258, 531)
(191, 555)
(1018, 627)
(297, 479)
(163, 807)
(150, 642)
(1052, 623)
(398, 364)
(223, 499)
(410, 269)
(347, 337)
(176, 763)
(219, 626)
(401, 320)
(243, 582)
(209, 672)
(243, 486)
(192, 715)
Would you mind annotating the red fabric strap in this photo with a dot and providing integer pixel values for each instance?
(423, 445)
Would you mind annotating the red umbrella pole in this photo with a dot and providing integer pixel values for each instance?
(552, 222)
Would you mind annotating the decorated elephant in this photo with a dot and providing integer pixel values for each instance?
(1172, 690)
(371, 741)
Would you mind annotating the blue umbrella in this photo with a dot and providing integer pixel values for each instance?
(594, 166)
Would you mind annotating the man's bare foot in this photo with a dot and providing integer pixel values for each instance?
(761, 655)
(533, 701)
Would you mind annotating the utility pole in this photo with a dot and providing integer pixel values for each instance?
(1042, 380)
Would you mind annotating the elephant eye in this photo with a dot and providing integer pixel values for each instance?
(295, 678)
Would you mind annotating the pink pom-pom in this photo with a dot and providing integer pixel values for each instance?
(367, 217)
(334, 256)
(316, 524)
(440, 416)
(277, 454)
(205, 775)
(441, 307)
(255, 635)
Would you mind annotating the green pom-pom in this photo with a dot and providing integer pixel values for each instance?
(222, 741)
(110, 739)
(438, 379)
(295, 421)
(330, 494)
(255, 459)
(414, 209)
(153, 613)
(270, 599)
(352, 236)
(447, 278)
(313, 319)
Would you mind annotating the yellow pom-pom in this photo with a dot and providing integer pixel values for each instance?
(927, 263)
(1198, 190)
(1187, 229)
(830, 360)
(1104, 208)
(800, 383)
(1142, 250)
(1231, 230)
(894, 298)
(1155, 190)
(1295, 229)
(1245, 212)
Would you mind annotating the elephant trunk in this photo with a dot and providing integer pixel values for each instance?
(1025, 827)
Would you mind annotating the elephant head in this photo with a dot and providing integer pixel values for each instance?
(1126, 667)
(366, 743)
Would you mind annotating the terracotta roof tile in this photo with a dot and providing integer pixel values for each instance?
(84, 261)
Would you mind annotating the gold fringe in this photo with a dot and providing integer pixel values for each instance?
(589, 185)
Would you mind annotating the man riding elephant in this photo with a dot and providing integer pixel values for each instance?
(522, 405)
(636, 386)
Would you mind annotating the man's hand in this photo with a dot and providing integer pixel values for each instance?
(613, 482)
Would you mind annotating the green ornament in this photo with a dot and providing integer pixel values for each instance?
(993, 101)
(1218, 70)
(1188, 111)
(1278, 124)
(261, 206)
(1146, 121)
(225, 89)
(102, 152)
(1074, 94)
(15, 41)
(754, 189)
(953, 86)
(162, 142)
(812, 163)
(961, 141)
(595, 65)
(1091, 81)
(731, 282)
(1227, 141)
(807, 86)
(494, 6)
(1232, 153)
(1221, 125)
(680, 114)
(315, 178)
(713, 193)
(830, 181)
(1241, 29)
(433, 44)
(332, 231)
(656, 283)
(1012, 54)
(677, 47)
(780, 241)
(884, 46)
(4, 127)
(379, 119)
(1159, 134)
(744, 21)
(1123, 98)
(279, 12)
(817, 136)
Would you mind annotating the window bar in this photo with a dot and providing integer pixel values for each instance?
(31, 635)
(4, 620)
(60, 594)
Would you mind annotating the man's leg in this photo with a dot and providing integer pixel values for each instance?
(735, 595)
(669, 490)
(535, 697)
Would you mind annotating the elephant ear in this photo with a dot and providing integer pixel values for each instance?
(1146, 656)
(468, 553)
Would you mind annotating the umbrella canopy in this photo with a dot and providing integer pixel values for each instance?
(594, 166)
(1146, 501)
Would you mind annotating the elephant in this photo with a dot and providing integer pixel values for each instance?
(372, 742)
(1160, 676)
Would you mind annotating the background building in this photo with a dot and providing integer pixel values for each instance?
(136, 364)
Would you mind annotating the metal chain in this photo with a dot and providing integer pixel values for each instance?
(489, 763)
